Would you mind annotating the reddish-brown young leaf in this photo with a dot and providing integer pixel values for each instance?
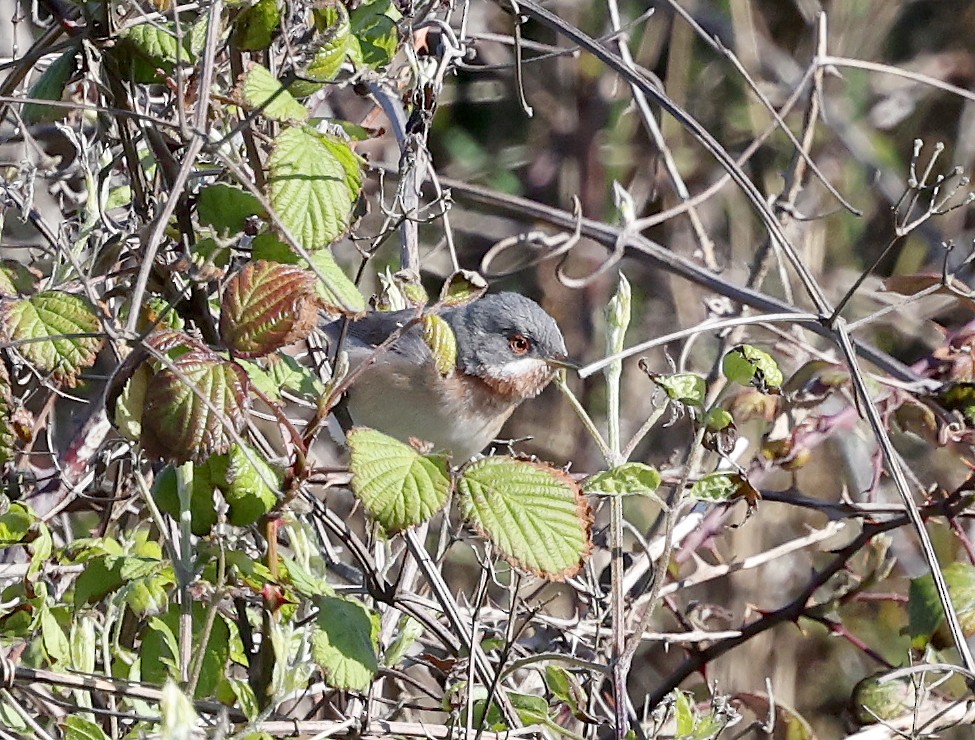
(194, 409)
(266, 306)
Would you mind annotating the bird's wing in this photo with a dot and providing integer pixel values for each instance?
(365, 334)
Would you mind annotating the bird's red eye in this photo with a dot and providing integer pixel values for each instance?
(520, 344)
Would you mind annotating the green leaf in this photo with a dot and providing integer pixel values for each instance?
(534, 514)
(77, 727)
(131, 402)
(685, 388)
(260, 90)
(335, 44)
(375, 33)
(148, 596)
(100, 577)
(748, 365)
(15, 523)
(304, 582)
(718, 419)
(251, 486)
(878, 698)
(314, 181)
(683, 713)
(227, 208)
(82, 644)
(627, 479)
(50, 86)
(254, 27)
(178, 716)
(716, 487)
(203, 513)
(408, 631)
(439, 337)
(461, 288)
(925, 615)
(288, 374)
(157, 648)
(197, 417)
(531, 709)
(559, 682)
(246, 702)
(399, 487)
(345, 642)
(267, 306)
(155, 45)
(53, 637)
(335, 290)
(15, 278)
(46, 327)
(41, 547)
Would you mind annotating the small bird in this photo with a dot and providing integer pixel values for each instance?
(508, 350)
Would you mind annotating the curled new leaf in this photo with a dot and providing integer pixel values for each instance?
(685, 388)
(54, 331)
(267, 306)
(748, 365)
(628, 479)
(195, 408)
(534, 514)
(440, 338)
(399, 487)
(462, 287)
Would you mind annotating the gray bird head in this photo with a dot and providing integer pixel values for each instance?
(508, 341)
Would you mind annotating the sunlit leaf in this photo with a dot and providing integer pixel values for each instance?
(628, 479)
(534, 514)
(314, 181)
(251, 486)
(77, 727)
(375, 32)
(55, 331)
(399, 487)
(439, 337)
(254, 27)
(877, 698)
(748, 365)
(334, 43)
(682, 387)
(259, 90)
(15, 523)
(462, 287)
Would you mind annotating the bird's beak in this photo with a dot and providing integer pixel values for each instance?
(563, 361)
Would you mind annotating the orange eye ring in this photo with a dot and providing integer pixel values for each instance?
(520, 344)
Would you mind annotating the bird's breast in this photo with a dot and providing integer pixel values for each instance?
(460, 414)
